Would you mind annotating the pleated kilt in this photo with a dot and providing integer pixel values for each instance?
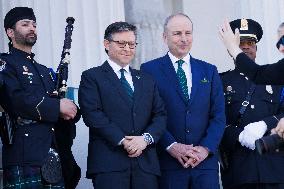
(26, 177)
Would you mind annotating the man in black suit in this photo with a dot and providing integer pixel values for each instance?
(125, 115)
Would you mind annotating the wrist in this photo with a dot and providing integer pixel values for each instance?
(147, 138)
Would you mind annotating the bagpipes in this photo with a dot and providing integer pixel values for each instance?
(62, 70)
(64, 165)
(7, 128)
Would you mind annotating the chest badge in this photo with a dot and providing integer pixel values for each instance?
(228, 94)
(269, 89)
(29, 74)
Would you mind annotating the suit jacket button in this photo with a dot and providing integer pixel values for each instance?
(187, 112)
(132, 131)
(187, 131)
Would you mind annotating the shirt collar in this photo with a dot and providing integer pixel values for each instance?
(186, 59)
(116, 68)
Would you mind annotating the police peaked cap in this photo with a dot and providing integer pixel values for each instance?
(249, 29)
(16, 14)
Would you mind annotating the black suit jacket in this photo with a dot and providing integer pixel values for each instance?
(271, 74)
(110, 115)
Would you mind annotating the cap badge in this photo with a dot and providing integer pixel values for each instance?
(244, 24)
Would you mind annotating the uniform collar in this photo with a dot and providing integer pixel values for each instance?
(19, 52)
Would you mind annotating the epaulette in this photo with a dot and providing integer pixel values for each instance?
(4, 54)
(223, 73)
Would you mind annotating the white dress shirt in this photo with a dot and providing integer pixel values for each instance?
(186, 68)
(116, 68)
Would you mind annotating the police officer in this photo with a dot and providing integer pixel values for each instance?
(251, 112)
(26, 96)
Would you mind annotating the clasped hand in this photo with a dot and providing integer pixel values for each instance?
(188, 155)
(134, 145)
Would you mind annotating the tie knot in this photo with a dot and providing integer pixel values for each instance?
(180, 62)
(122, 71)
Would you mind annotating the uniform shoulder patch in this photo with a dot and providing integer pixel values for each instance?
(224, 73)
(2, 65)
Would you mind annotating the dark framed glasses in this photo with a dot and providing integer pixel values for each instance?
(122, 44)
(280, 42)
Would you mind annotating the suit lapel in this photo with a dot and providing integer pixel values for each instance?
(138, 84)
(169, 71)
(112, 77)
(196, 78)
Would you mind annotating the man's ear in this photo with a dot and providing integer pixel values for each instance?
(165, 37)
(106, 44)
(10, 33)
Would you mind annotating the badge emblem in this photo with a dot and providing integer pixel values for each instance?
(244, 24)
(269, 89)
(25, 68)
(2, 65)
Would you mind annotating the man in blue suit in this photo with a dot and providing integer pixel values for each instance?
(125, 115)
(193, 95)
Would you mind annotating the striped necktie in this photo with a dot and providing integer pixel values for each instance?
(125, 84)
(182, 79)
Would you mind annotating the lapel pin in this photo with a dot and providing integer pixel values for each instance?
(137, 76)
(204, 80)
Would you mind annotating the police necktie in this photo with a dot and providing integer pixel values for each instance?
(125, 84)
(182, 79)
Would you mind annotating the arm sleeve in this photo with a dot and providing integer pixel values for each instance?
(271, 74)
(27, 104)
(217, 121)
(92, 111)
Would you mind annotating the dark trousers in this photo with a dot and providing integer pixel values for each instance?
(189, 179)
(132, 178)
(259, 186)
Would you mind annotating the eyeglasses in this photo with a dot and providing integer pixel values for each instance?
(280, 42)
(122, 44)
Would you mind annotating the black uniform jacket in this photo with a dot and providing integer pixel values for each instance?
(271, 74)
(26, 97)
(245, 165)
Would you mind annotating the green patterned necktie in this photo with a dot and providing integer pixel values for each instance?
(182, 79)
(125, 84)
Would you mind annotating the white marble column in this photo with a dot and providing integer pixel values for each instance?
(148, 16)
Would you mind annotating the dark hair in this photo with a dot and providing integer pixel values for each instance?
(172, 16)
(10, 44)
(118, 27)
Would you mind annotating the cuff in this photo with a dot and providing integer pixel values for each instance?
(170, 145)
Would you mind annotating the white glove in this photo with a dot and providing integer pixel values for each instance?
(251, 133)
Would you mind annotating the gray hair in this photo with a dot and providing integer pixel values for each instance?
(172, 16)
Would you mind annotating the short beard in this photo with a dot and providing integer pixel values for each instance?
(23, 40)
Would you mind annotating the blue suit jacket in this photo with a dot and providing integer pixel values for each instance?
(201, 121)
(110, 115)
